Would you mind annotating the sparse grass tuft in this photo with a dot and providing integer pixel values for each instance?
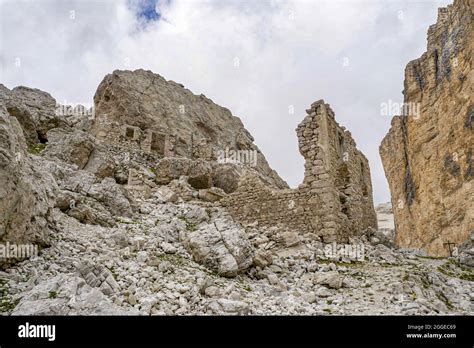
(445, 300)
(114, 272)
(453, 269)
(133, 222)
(6, 303)
(36, 148)
(190, 227)
(53, 294)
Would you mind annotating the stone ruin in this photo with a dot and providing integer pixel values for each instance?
(161, 119)
(183, 136)
(140, 149)
(335, 199)
(156, 141)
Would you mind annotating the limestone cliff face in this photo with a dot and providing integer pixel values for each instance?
(428, 153)
(27, 191)
(143, 110)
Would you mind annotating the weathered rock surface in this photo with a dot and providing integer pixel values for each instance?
(143, 266)
(385, 233)
(27, 191)
(222, 247)
(71, 147)
(428, 152)
(67, 295)
(164, 118)
(35, 110)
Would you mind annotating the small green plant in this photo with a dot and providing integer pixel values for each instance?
(36, 148)
(247, 288)
(174, 259)
(190, 227)
(126, 222)
(6, 304)
(444, 299)
(430, 257)
(454, 269)
(113, 271)
(53, 294)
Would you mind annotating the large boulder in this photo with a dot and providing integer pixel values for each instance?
(100, 164)
(199, 175)
(226, 177)
(114, 197)
(221, 246)
(91, 201)
(42, 106)
(79, 148)
(35, 111)
(169, 169)
(73, 147)
(198, 172)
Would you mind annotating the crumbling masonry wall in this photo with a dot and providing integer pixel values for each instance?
(335, 199)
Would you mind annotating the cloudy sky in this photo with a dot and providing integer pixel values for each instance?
(262, 59)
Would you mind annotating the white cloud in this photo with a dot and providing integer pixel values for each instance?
(289, 53)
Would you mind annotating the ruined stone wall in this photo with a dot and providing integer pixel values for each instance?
(428, 157)
(335, 199)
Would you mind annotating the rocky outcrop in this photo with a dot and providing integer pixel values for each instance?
(91, 201)
(35, 110)
(71, 147)
(428, 153)
(164, 119)
(27, 191)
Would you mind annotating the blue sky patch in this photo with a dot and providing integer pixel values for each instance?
(145, 9)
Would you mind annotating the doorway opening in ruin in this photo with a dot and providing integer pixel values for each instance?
(158, 142)
(342, 183)
(130, 133)
(343, 201)
(340, 144)
(365, 188)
